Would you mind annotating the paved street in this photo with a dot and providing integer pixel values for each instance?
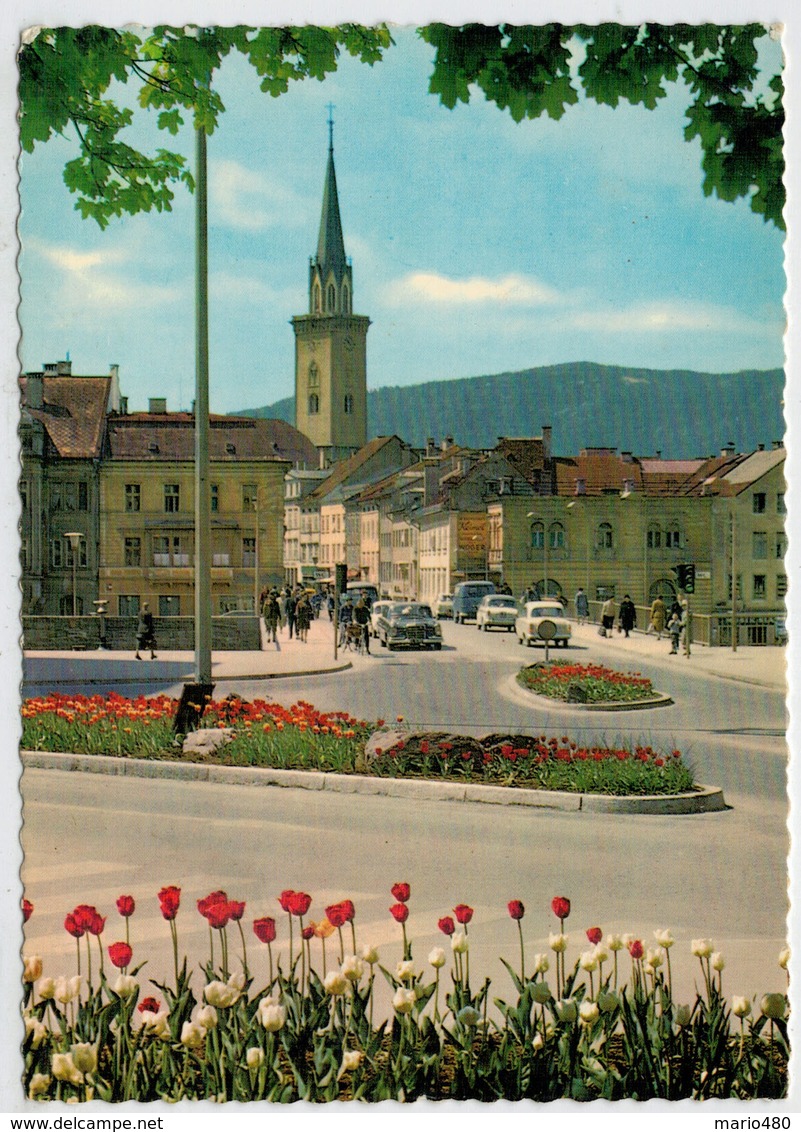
(717, 875)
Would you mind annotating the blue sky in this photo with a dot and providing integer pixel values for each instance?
(478, 245)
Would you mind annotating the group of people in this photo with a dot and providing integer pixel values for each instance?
(358, 614)
(660, 620)
(290, 608)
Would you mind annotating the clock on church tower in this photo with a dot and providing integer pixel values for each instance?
(331, 341)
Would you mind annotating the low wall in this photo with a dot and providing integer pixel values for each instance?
(228, 634)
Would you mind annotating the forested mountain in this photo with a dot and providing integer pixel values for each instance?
(677, 412)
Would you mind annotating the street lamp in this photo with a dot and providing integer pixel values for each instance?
(256, 609)
(75, 543)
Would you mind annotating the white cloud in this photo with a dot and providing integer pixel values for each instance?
(670, 317)
(508, 290)
(247, 289)
(242, 198)
(100, 279)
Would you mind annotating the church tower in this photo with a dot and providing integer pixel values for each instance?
(331, 341)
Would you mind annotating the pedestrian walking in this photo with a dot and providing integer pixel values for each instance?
(674, 628)
(658, 617)
(607, 617)
(303, 617)
(271, 613)
(582, 606)
(282, 608)
(291, 606)
(627, 618)
(145, 633)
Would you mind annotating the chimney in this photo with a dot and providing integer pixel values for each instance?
(546, 441)
(447, 443)
(34, 390)
(626, 457)
(581, 487)
(157, 405)
(659, 453)
(760, 447)
(64, 369)
(123, 406)
(114, 391)
(628, 486)
(431, 446)
(777, 444)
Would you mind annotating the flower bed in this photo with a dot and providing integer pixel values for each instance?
(301, 738)
(299, 1022)
(586, 683)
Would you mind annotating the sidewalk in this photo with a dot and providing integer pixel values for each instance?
(751, 664)
(285, 658)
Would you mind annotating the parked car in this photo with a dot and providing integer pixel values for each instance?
(443, 606)
(530, 616)
(377, 610)
(467, 598)
(497, 611)
(409, 625)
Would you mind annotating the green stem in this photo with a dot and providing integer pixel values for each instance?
(522, 953)
(244, 948)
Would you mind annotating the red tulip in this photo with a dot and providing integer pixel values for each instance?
(72, 926)
(400, 912)
(341, 913)
(635, 949)
(561, 907)
(463, 913)
(88, 919)
(125, 906)
(170, 900)
(307, 933)
(120, 954)
(401, 892)
(236, 909)
(150, 1004)
(516, 909)
(265, 929)
(594, 935)
(299, 903)
(218, 915)
(217, 897)
(27, 910)
(285, 898)
(446, 925)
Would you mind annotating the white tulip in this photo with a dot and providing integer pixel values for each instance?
(740, 1006)
(40, 1083)
(351, 1059)
(272, 1017)
(702, 948)
(193, 1035)
(254, 1058)
(404, 999)
(588, 1013)
(541, 963)
(404, 972)
(459, 943)
(46, 987)
(370, 954)
(664, 938)
(206, 1016)
(436, 957)
(84, 1054)
(335, 983)
(352, 968)
(557, 941)
(125, 986)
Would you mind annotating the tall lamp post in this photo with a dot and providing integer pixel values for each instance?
(75, 545)
(256, 609)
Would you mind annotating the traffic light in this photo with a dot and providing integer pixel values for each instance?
(685, 576)
(341, 575)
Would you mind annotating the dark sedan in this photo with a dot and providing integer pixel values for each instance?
(409, 625)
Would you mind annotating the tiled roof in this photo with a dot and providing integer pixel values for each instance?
(73, 413)
(526, 454)
(602, 471)
(171, 436)
(346, 468)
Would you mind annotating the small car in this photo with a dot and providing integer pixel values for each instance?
(443, 606)
(497, 611)
(532, 613)
(409, 625)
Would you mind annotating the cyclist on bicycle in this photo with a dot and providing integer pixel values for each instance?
(361, 616)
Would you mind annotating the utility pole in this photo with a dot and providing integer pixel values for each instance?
(202, 494)
(733, 586)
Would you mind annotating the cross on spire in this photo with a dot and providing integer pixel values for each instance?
(330, 127)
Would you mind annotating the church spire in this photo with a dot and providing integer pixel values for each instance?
(331, 259)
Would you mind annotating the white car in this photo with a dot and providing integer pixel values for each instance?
(532, 613)
(376, 610)
(443, 606)
(497, 611)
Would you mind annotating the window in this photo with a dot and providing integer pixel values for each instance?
(68, 556)
(133, 497)
(83, 495)
(133, 552)
(56, 553)
(672, 537)
(314, 404)
(55, 496)
(759, 585)
(330, 298)
(314, 376)
(169, 605)
(23, 554)
(603, 592)
(65, 605)
(348, 402)
(537, 536)
(248, 552)
(317, 302)
(250, 497)
(23, 494)
(221, 559)
(556, 536)
(781, 585)
(781, 544)
(604, 539)
(759, 502)
(759, 544)
(739, 587)
(654, 538)
(172, 497)
(161, 550)
(781, 509)
(128, 605)
(215, 497)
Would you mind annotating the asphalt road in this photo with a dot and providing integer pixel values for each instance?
(88, 839)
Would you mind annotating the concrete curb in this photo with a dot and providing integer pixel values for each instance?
(659, 700)
(707, 799)
(223, 678)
